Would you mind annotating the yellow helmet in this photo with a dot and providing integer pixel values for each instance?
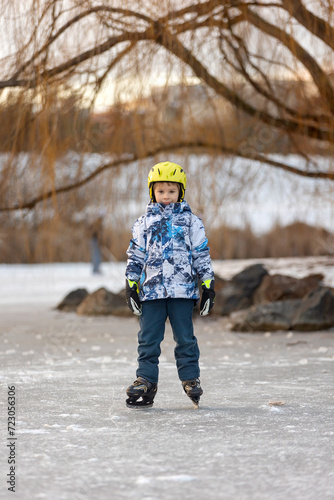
(167, 171)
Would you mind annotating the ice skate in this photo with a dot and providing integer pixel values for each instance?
(193, 390)
(141, 394)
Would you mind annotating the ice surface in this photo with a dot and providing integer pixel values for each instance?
(77, 440)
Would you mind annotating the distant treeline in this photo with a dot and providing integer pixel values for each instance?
(58, 241)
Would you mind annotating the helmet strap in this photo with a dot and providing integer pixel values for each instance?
(181, 192)
(152, 191)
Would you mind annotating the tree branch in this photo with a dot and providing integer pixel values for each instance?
(171, 43)
(320, 78)
(201, 145)
(319, 27)
(70, 23)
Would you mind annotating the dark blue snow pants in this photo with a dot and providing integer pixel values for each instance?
(151, 334)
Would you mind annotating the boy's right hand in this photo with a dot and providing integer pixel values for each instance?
(132, 297)
(208, 297)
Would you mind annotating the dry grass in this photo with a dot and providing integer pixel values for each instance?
(62, 242)
(295, 240)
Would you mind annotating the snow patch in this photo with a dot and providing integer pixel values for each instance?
(101, 359)
(182, 478)
(32, 431)
(142, 480)
(75, 427)
(69, 415)
(179, 478)
(303, 361)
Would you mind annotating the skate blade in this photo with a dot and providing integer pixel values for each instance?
(195, 402)
(138, 405)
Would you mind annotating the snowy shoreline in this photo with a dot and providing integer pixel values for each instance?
(47, 284)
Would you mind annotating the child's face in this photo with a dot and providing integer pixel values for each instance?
(166, 192)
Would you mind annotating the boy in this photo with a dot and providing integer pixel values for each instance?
(167, 253)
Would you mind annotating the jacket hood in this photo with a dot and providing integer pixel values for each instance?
(156, 208)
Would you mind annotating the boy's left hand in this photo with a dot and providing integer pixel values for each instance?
(208, 297)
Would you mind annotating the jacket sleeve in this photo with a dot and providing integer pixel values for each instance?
(200, 250)
(136, 251)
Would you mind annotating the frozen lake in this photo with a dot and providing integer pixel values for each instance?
(264, 428)
(76, 439)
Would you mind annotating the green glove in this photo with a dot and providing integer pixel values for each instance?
(132, 297)
(208, 297)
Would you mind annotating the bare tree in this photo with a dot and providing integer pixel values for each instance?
(271, 60)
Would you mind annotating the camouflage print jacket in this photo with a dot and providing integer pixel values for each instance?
(167, 253)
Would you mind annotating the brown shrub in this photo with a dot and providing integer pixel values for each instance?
(295, 240)
(61, 241)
